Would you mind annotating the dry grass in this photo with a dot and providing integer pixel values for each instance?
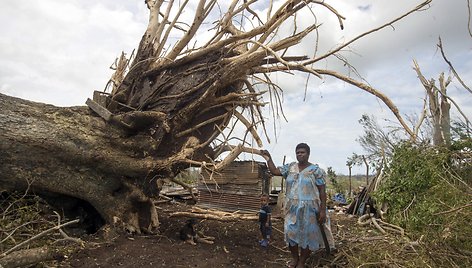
(364, 246)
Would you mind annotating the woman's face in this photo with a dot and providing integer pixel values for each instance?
(302, 155)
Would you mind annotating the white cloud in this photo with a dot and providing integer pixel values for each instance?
(59, 52)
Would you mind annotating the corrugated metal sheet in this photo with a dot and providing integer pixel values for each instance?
(237, 188)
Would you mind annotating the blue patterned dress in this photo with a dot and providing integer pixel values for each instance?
(302, 202)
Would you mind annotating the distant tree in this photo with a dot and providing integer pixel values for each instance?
(359, 160)
(333, 179)
(376, 142)
(349, 164)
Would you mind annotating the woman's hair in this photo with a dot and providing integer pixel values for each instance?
(303, 146)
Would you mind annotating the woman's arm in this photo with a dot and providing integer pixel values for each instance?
(322, 212)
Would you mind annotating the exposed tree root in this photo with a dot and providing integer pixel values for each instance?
(380, 225)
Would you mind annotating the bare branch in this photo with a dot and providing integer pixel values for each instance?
(189, 188)
(235, 151)
(417, 8)
(211, 120)
(250, 127)
(200, 15)
(454, 209)
(43, 233)
(452, 68)
(393, 108)
(468, 18)
(153, 24)
(422, 116)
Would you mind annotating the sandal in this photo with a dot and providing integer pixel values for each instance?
(264, 243)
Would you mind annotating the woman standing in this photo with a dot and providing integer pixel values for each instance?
(305, 205)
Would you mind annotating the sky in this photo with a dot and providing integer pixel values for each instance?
(59, 52)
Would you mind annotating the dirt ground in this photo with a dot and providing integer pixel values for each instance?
(236, 245)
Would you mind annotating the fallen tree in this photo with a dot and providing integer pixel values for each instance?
(68, 153)
(165, 108)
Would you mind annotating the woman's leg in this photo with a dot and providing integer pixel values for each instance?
(304, 254)
(295, 257)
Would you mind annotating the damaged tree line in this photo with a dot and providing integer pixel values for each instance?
(165, 108)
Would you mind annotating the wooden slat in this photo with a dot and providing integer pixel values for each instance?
(255, 191)
(101, 98)
(242, 172)
(100, 110)
(229, 202)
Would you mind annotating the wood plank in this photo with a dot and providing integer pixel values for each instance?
(100, 110)
(101, 98)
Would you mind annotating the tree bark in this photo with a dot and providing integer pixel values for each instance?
(70, 153)
(27, 257)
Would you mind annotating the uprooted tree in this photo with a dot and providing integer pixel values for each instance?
(168, 102)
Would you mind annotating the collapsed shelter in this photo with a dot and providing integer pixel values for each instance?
(236, 188)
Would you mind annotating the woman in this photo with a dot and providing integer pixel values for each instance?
(305, 205)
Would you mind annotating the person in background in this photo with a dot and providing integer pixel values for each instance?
(304, 207)
(265, 224)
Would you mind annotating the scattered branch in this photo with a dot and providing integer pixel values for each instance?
(453, 209)
(380, 225)
(43, 233)
(214, 215)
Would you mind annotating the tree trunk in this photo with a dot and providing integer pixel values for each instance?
(68, 153)
(439, 107)
(366, 170)
(350, 181)
(445, 107)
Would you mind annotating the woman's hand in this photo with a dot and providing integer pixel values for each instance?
(270, 164)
